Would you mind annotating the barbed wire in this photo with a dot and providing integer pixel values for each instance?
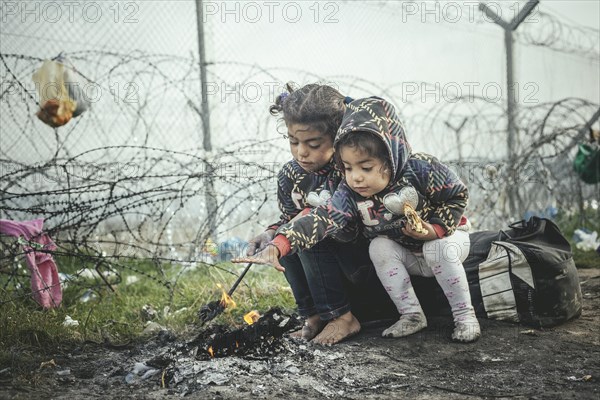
(559, 36)
(541, 29)
(124, 182)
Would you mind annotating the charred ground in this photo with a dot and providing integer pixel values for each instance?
(509, 361)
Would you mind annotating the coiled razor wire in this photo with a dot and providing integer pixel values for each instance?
(126, 181)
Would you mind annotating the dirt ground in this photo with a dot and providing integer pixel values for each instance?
(509, 361)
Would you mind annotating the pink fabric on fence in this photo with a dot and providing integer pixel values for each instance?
(45, 283)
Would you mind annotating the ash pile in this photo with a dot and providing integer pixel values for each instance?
(241, 358)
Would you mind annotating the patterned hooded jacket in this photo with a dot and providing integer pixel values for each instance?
(443, 197)
(298, 190)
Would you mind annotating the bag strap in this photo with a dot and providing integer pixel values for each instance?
(501, 233)
(519, 225)
(525, 229)
(522, 224)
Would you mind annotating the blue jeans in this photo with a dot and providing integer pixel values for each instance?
(332, 278)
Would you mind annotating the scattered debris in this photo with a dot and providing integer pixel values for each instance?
(141, 370)
(152, 328)
(88, 273)
(88, 295)
(486, 358)
(131, 279)
(585, 378)
(180, 310)
(64, 279)
(70, 321)
(530, 332)
(48, 364)
(216, 378)
(586, 240)
(148, 313)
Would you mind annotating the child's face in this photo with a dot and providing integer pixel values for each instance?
(311, 148)
(364, 174)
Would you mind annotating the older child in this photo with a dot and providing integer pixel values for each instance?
(378, 165)
(312, 115)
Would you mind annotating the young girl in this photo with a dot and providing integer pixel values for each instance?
(312, 115)
(379, 169)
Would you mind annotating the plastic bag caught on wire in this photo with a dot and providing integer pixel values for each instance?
(62, 91)
(587, 159)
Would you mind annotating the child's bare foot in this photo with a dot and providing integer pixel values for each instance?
(406, 325)
(312, 326)
(338, 329)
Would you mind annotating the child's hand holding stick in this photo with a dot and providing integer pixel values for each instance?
(269, 255)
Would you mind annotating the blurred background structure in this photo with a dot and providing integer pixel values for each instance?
(178, 146)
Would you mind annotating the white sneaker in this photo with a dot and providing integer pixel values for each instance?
(406, 325)
(466, 331)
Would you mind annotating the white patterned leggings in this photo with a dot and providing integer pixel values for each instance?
(441, 258)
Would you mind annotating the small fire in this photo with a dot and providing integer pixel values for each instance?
(211, 352)
(226, 300)
(251, 317)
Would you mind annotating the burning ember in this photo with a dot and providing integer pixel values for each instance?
(261, 338)
(214, 308)
(251, 317)
(226, 300)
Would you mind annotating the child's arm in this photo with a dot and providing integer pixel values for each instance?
(287, 206)
(337, 216)
(447, 194)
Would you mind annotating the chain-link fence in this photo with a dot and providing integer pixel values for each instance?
(129, 177)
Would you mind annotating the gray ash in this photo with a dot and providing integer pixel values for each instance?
(261, 342)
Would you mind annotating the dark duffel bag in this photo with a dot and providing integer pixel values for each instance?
(525, 274)
(528, 276)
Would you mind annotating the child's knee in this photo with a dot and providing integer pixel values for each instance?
(442, 250)
(380, 250)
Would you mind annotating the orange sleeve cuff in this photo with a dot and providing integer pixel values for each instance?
(439, 230)
(283, 245)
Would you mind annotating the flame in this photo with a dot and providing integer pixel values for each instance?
(251, 317)
(226, 300)
(211, 352)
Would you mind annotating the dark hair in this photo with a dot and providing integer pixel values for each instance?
(367, 143)
(319, 106)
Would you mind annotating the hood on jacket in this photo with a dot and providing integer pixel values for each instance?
(374, 115)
